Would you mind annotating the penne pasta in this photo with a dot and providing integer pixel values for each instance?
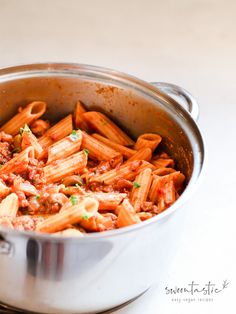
(109, 201)
(163, 189)
(127, 215)
(98, 150)
(72, 215)
(25, 187)
(79, 119)
(63, 128)
(141, 187)
(125, 151)
(68, 183)
(30, 113)
(65, 147)
(19, 163)
(9, 206)
(144, 215)
(177, 177)
(142, 154)
(71, 232)
(29, 139)
(103, 125)
(97, 223)
(127, 171)
(65, 167)
(163, 171)
(161, 162)
(148, 140)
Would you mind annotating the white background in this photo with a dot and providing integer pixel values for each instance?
(190, 43)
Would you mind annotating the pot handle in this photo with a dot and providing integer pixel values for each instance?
(178, 93)
(6, 247)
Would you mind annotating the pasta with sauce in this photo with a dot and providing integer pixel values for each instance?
(83, 174)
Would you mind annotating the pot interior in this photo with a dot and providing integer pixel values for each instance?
(134, 105)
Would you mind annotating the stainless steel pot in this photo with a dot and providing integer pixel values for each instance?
(39, 273)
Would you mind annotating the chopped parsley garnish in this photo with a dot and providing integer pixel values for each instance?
(37, 197)
(86, 151)
(74, 136)
(74, 200)
(25, 129)
(136, 185)
(85, 217)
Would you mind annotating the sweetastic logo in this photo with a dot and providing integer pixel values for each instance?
(194, 291)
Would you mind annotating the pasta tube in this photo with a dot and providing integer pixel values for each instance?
(80, 121)
(100, 151)
(127, 215)
(65, 147)
(29, 139)
(19, 163)
(103, 125)
(127, 171)
(142, 154)
(70, 232)
(9, 206)
(108, 201)
(141, 187)
(73, 214)
(125, 151)
(65, 167)
(61, 129)
(25, 187)
(163, 171)
(30, 113)
(163, 189)
(148, 140)
(144, 215)
(97, 223)
(163, 162)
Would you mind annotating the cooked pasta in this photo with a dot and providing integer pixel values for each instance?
(29, 114)
(103, 125)
(80, 121)
(66, 180)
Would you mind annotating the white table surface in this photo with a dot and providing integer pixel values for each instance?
(191, 43)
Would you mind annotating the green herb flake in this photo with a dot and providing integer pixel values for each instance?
(25, 129)
(136, 185)
(73, 200)
(77, 185)
(74, 136)
(85, 217)
(86, 151)
(37, 197)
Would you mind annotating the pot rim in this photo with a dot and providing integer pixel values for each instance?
(16, 71)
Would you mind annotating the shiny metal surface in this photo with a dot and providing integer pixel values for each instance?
(10, 310)
(189, 102)
(99, 271)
